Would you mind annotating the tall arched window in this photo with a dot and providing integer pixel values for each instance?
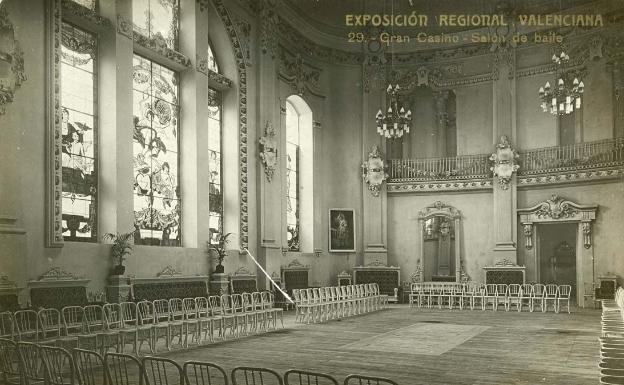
(215, 148)
(79, 134)
(299, 175)
(292, 177)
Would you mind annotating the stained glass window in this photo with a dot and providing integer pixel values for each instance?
(158, 20)
(215, 199)
(155, 148)
(79, 134)
(90, 4)
(292, 177)
(212, 62)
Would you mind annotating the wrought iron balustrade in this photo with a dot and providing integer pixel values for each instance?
(449, 168)
(588, 155)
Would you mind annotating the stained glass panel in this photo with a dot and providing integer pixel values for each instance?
(292, 177)
(79, 136)
(156, 154)
(215, 194)
(158, 20)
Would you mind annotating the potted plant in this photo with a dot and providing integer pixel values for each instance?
(218, 251)
(122, 246)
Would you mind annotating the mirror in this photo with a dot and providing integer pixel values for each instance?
(439, 253)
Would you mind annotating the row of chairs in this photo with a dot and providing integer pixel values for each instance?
(324, 303)
(463, 295)
(115, 325)
(26, 363)
(612, 340)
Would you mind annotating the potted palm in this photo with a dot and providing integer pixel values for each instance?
(122, 246)
(218, 251)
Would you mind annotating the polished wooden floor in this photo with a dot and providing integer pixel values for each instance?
(427, 346)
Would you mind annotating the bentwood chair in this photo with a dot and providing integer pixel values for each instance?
(538, 296)
(109, 336)
(526, 296)
(26, 325)
(162, 371)
(302, 377)
(227, 319)
(161, 325)
(514, 295)
(7, 325)
(206, 320)
(246, 375)
(59, 366)
(268, 301)
(191, 321)
(564, 295)
(9, 362)
(30, 364)
(123, 369)
(178, 320)
(356, 379)
(551, 293)
(204, 373)
(89, 367)
(75, 325)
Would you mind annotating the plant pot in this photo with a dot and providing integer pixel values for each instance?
(118, 270)
(219, 269)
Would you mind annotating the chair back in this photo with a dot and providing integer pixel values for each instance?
(89, 367)
(490, 289)
(527, 290)
(7, 325)
(267, 302)
(162, 371)
(246, 375)
(501, 289)
(226, 304)
(59, 366)
(256, 300)
(30, 364)
(356, 379)
(123, 369)
(190, 308)
(303, 377)
(564, 291)
(215, 305)
(513, 290)
(26, 325)
(129, 314)
(73, 319)
(147, 315)
(161, 310)
(204, 373)
(176, 309)
(9, 361)
(202, 306)
(94, 319)
(551, 290)
(538, 290)
(112, 316)
(49, 321)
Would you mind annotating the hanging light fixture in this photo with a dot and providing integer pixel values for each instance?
(565, 96)
(396, 121)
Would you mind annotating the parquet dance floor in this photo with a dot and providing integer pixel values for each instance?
(428, 346)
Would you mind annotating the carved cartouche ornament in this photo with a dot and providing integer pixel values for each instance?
(504, 162)
(374, 170)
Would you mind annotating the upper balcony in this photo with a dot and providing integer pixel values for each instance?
(603, 159)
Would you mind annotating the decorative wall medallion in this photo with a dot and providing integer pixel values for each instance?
(124, 27)
(11, 56)
(201, 64)
(268, 151)
(298, 74)
(374, 170)
(242, 113)
(504, 162)
(169, 271)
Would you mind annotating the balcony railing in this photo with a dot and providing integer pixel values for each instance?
(598, 154)
(589, 155)
(452, 168)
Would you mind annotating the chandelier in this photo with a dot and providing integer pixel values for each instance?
(396, 121)
(565, 95)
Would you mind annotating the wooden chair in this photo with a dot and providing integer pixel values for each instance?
(514, 292)
(49, 332)
(109, 335)
(564, 295)
(204, 373)
(246, 375)
(501, 295)
(162, 319)
(7, 325)
(30, 364)
(227, 319)
(191, 321)
(489, 297)
(59, 366)
(74, 324)
(89, 367)
(526, 296)
(550, 294)
(356, 379)
(9, 362)
(206, 319)
(262, 314)
(177, 322)
(26, 325)
(123, 369)
(147, 322)
(303, 377)
(162, 371)
(538, 296)
(268, 303)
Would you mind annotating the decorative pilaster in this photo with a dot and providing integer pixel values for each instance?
(441, 99)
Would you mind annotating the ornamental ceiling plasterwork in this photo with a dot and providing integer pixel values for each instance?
(301, 76)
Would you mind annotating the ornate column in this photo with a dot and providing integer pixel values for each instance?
(504, 133)
(441, 98)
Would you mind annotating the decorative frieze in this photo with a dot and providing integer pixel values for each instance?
(169, 271)
(91, 16)
(411, 187)
(301, 76)
(218, 79)
(159, 46)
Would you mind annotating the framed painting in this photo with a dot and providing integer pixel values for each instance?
(341, 230)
